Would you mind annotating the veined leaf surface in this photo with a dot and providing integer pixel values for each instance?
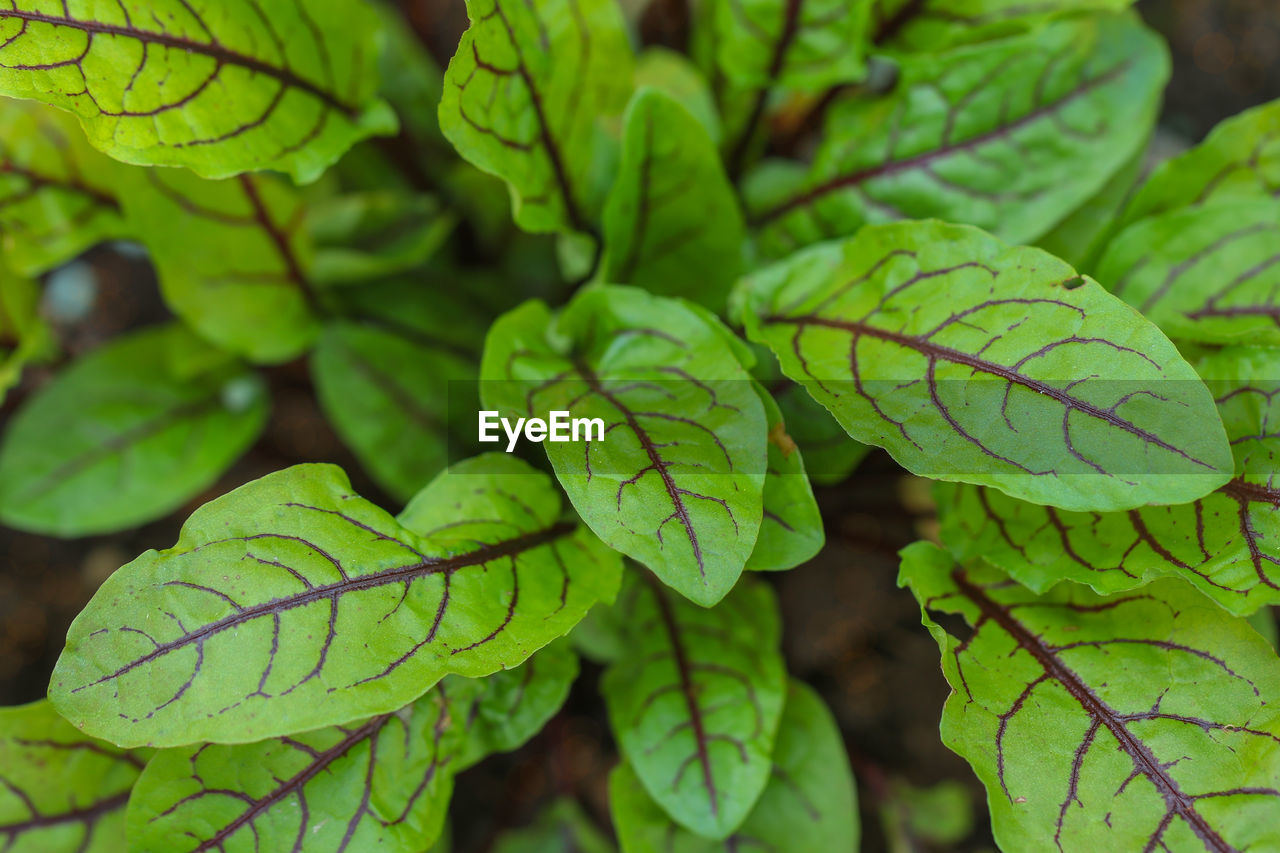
(526, 97)
(696, 699)
(677, 481)
(672, 223)
(384, 781)
(232, 258)
(809, 805)
(57, 195)
(60, 790)
(221, 88)
(988, 141)
(791, 531)
(123, 436)
(1227, 543)
(800, 44)
(1139, 722)
(974, 362)
(924, 26)
(292, 603)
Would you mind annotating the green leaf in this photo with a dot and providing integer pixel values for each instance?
(676, 76)
(1227, 543)
(974, 362)
(791, 531)
(1205, 273)
(1080, 237)
(292, 603)
(1238, 161)
(364, 236)
(804, 44)
(506, 709)
(123, 437)
(809, 806)
(57, 195)
(381, 781)
(232, 257)
(696, 700)
(24, 337)
(672, 223)
(560, 828)
(676, 481)
(60, 790)
(277, 84)
(978, 136)
(1141, 722)
(925, 26)
(528, 97)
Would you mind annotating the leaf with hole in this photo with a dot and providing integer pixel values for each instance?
(292, 603)
(1141, 721)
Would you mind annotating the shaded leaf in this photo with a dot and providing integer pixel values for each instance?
(232, 258)
(221, 89)
(123, 436)
(1140, 722)
(292, 603)
(676, 76)
(971, 361)
(527, 96)
(1011, 137)
(57, 195)
(801, 44)
(60, 791)
(560, 828)
(676, 481)
(672, 223)
(809, 805)
(1227, 543)
(1204, 273)
(364, 236)
(696, 699)
(922, 26)
(24, 336)
(791, 531)
(381, 781)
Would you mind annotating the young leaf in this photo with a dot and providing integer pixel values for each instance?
(800, 44)
(791, 531)
(809, 805)
(672, 223)
(930, 26)
(677, 77)
(526, 98)
(1227, 543)
(276, 84)
(364, 236)
(57, 195)
(676, 481)
(696, 699)
(60, 791)
(1205, 273)
(123, 436)
(1141, 722)
(977, 136)
(974, 362)
(232, 258)
(381, 781)
(561, 828)
(23, 334)
(1238, 161)
(292, 603)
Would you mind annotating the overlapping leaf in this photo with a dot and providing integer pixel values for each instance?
(676, 481)
(809, 805)
(124, 436)
(1139, 722)
(382, 781)
(364, 236)
(696, 699)
(672, 223)
(232, 258)
(1010, 136)
(1227, 543)
(526, 97)
(791, 531)
(910, 26)
(802, 44)
(23, 334)
(57, 195)
(60, 791)
(970, 361)
(220, 88)
(292, 603)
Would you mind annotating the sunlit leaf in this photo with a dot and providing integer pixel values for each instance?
(123, 436)
(804, 44)
(911, 26)
(791, 531)
(971, 361)
(1143, 721)
(292, 603)
(222, 88)
(1080, 237)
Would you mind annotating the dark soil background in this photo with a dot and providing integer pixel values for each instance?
(849, 631)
